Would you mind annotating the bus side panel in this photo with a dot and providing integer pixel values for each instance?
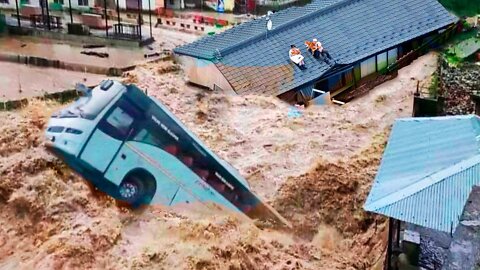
(183, 197)
(174, 172)
(120, 167)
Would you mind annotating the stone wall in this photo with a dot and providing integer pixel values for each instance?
(456, 85)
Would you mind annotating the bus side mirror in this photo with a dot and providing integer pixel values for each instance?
(84, 90)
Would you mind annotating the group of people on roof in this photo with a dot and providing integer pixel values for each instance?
(315, 48)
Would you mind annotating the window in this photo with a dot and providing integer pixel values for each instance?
(4, 2)
(83, 2)
(382, 61)
(172, 2)
(335, 82)
(58, 2)
(120, 120)
(152, 135)
(368, 67)
(392, 56)
(90, 106)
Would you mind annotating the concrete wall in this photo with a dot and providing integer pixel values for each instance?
(204, 73)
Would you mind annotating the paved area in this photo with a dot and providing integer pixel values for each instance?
(56, 50)
(22, 81)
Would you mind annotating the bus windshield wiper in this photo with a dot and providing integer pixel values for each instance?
(81, 111)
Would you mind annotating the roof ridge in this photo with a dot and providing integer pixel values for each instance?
(426, 181)
(298, 20)
(436, 118)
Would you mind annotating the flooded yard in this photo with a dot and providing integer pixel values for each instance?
(56, 50)
(22, 81)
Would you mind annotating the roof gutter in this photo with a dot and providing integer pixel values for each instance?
(212, 58)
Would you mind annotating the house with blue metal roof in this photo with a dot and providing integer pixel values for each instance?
(427, 172)
(364, 37)
(429, 168)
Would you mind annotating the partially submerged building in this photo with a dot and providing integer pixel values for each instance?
(424, 184)
(363, 36)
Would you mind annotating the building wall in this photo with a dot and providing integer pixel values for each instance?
(9, 5)
(144, 3)
(204, 73)
(79, 4)
(175, 4)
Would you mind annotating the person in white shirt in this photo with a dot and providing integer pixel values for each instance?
(296, 56)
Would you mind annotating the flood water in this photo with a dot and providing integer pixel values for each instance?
(21, 81)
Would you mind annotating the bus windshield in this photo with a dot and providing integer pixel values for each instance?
(89, 107)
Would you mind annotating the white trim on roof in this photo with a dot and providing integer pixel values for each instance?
(440, 118)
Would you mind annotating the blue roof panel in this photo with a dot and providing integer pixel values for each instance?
(427, 171)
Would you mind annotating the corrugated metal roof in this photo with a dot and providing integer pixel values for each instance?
(428, 170)
(253, 61)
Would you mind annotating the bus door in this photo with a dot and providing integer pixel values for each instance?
(112, 130)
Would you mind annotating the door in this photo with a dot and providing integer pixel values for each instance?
(110, 134)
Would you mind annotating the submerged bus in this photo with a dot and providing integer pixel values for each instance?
(130, 146)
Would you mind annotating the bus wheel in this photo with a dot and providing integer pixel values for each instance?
(132, 191)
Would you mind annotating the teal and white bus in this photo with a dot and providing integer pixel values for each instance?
(132, 147)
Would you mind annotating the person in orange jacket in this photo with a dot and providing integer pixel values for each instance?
(316, 48)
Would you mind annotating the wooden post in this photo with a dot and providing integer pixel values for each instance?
(388, 260)
(476, 99)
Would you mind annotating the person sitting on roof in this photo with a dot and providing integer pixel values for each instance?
(316, 49)
(312, 48)
(296, 56)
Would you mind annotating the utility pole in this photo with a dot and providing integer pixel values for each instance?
(106, 17)
(48, 15)
(118, 13)
(140, 18)
(70, 10)
(18, 13)
(150, 17)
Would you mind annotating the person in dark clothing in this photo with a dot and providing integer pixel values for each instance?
(317, 50)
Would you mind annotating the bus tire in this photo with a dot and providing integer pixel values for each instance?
(137, 189)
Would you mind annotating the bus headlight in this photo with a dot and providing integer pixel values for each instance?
(73, 131)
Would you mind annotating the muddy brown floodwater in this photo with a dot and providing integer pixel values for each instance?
(316, 170)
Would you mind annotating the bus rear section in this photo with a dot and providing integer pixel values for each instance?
(140, 147)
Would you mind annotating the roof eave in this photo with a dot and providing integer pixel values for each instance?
(177, 52)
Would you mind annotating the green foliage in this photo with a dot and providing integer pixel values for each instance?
(461, 46)
(433, 88)
(462, 7)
